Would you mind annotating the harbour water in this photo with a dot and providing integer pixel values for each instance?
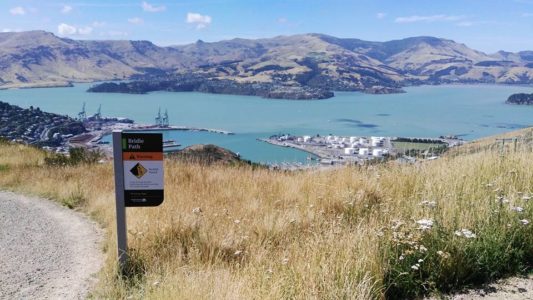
(469, 111)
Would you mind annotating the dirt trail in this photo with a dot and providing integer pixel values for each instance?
(46, 251)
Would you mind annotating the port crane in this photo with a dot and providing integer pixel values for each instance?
(82, 115)
(158, 119)
(98, 115)
(162, 120)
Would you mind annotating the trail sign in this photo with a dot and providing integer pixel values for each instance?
(142, 154)
(138, 164)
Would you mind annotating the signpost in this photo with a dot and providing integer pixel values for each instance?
(138, 164)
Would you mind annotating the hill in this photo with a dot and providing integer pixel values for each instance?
(370, 232)
(38, 58)
(521, 99)
(208, 154)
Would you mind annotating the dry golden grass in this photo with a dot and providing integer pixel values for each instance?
(242, 233)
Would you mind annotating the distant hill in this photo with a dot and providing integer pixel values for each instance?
(38, 58)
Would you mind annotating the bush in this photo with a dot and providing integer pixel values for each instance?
(76, 156)
(446, 259)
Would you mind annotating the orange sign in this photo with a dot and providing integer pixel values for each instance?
(142, 155)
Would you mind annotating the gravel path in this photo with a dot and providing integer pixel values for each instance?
(514, 288)
(46, 251)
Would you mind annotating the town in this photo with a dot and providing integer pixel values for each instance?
(35, 127)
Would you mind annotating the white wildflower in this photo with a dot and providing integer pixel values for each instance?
(420, 260)
(396, 224)
(489, 185)
(237, 221)
(237, 253)
(518, 209)
(502, 200)
(422, 248)
(425, 224)
(401, 257)
(196, 210)
(465, 233)
(524, 222)
(526, 198)
(415, 267)
(156, 283)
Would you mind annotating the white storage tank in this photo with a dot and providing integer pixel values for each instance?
(306, 138)
(363, 141)
(349, 151)
(363, 151)
(377, 152)
(299, 140)
(353, 139)
(376, 141)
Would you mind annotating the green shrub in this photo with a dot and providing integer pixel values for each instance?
(443, 260)
(76, 156)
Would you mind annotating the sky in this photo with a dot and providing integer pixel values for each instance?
(486, 25)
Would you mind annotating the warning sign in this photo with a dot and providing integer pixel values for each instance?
(138, 170)
(142, 155)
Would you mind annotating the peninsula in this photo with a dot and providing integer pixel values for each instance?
(520, 99)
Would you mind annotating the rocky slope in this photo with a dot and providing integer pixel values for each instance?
(38, 58)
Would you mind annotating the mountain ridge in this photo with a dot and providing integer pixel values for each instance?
(39, 58)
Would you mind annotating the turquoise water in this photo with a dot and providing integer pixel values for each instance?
(470, 111)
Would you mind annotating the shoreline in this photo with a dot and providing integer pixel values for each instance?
(73, 83)
(293, 146)
(91, 138)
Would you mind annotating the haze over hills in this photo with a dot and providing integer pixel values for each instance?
(38, 58)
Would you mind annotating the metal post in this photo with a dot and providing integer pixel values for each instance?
(119, 195)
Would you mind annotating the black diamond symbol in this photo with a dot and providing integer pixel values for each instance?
(138, 170)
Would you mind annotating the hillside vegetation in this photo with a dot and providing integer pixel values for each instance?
(38, 58)
(372, 232)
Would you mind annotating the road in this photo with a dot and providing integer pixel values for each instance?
(46, 251)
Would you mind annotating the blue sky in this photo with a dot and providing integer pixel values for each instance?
(487, 25)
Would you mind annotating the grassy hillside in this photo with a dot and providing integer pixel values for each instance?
(38, 58)
(379, 231)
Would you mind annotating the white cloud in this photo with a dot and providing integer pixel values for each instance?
(65, 29)
(98, 24)
(200, 21)
(19, 10)
(85, 30)
(66, 9)
(7, 30)
(152, 8)
(429, 19)
(465, 24)
(381, 15)
(136, 21)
